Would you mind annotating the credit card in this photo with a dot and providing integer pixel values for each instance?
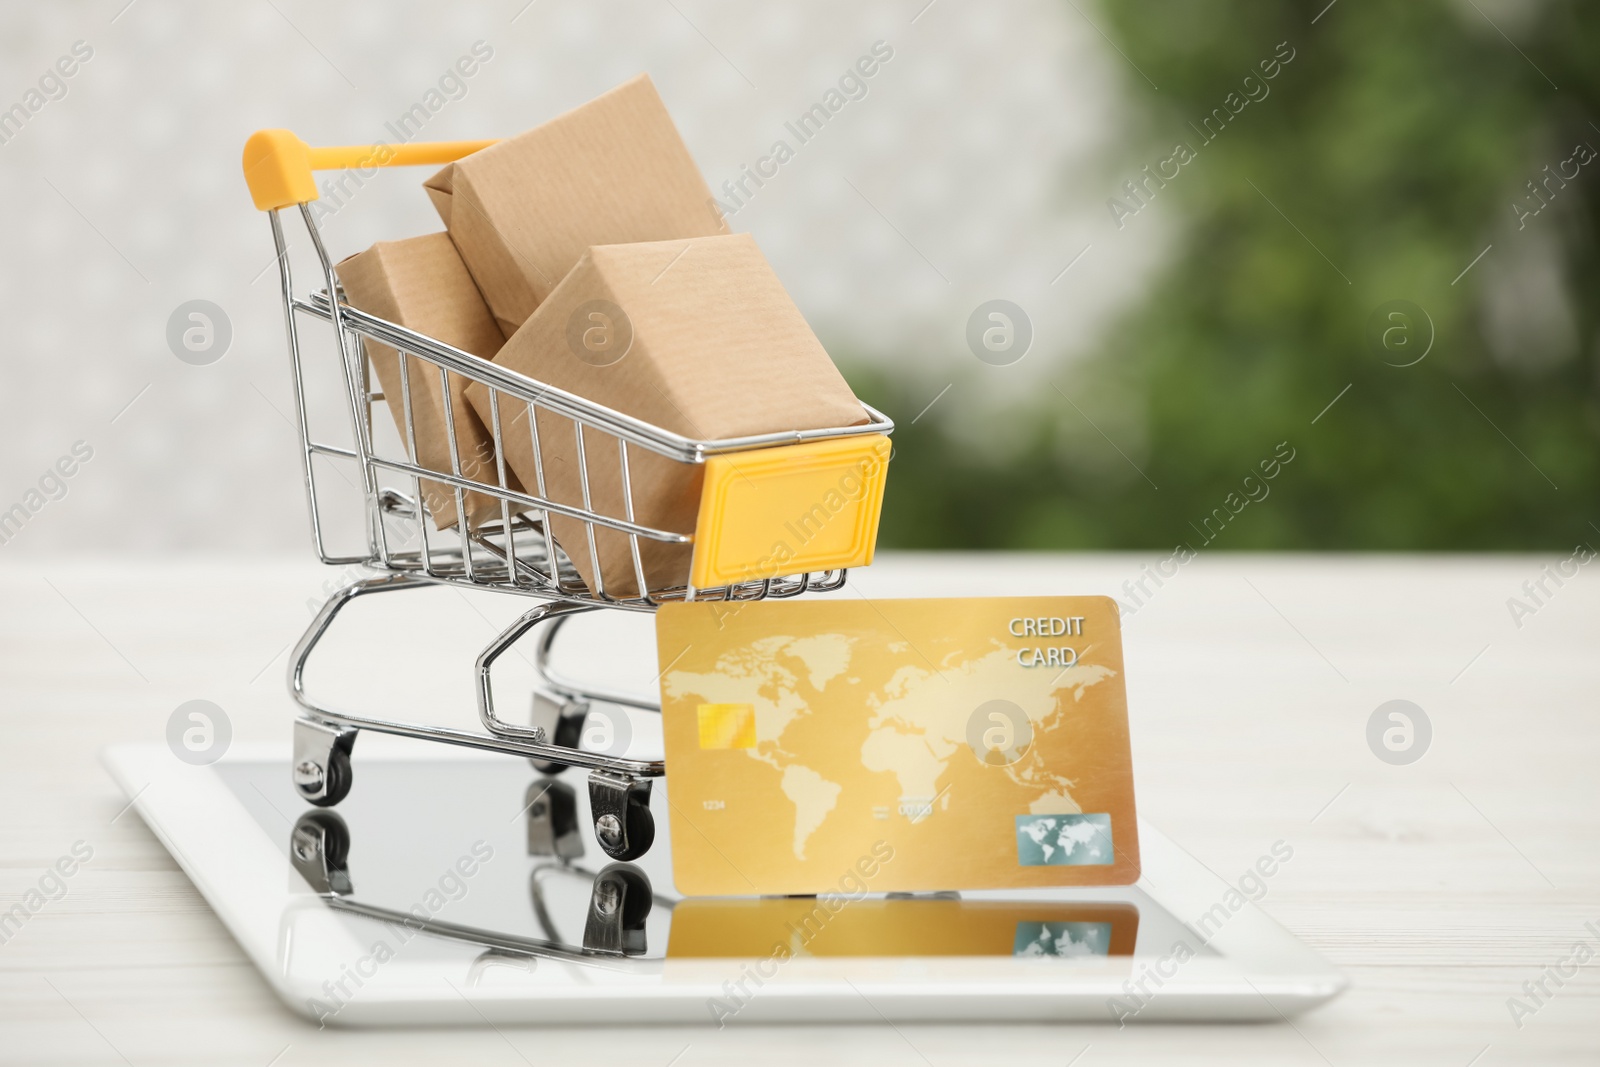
(805, 926)
(911, 745)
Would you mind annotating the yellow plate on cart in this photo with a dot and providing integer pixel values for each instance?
(788, 510)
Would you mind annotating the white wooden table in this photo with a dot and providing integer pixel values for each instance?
(1441, 886)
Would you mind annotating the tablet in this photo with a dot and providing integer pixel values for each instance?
(455, 887)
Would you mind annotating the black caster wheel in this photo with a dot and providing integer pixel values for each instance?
(618, 908)
(319, 846)
(337, 777)
(631, 836)
(568, 731)
(321, 771)
(563, 723)
(553, 825)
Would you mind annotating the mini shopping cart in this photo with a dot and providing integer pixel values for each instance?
(732, 540)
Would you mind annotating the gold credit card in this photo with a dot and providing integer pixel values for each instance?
(852, 746)
(823, 926)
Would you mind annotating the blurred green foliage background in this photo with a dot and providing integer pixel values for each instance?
(1399, 140)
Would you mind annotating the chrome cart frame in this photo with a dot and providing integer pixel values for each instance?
(514, 553)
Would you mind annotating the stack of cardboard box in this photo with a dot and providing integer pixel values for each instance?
(588, 254)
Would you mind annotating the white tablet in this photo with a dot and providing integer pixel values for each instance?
(457, 887)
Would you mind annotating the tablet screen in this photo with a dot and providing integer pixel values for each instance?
(489, 855)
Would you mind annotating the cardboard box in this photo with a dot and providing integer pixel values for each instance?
(421, 284)
(613, 171)
(697, 337)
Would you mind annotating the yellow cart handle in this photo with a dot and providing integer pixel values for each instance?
(278, 165)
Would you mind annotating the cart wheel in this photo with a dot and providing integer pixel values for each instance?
(641, 829)
(620, 805)
(618, 908)
(336, 778)
(568, 731)
(321, 769)
(334, 836)
(319, 846)
(340, 778)
(562, 720)
(553, 826)
(630, 837)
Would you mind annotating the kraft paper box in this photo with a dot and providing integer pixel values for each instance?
(613, 171)
(697, 337)
(421, 284)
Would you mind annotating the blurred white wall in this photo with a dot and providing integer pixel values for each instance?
(977, 166)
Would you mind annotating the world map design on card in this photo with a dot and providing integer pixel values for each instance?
(911, 745)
